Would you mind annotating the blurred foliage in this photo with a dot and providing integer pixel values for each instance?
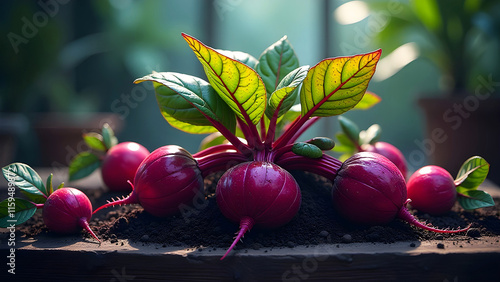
(461, 37)
(81, 55)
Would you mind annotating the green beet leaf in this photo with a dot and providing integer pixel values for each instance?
(323, 143)
(336, 85)
(286, 92)
(15, 211)
(369, 100)
(188, 102)
(371, 135)
(211, 140)
(236, 83)
(307, 150)
(108, 136)
(345, 142)
(472, 173)
(95, 141)
(83, 165)
(475, 199)
(26, 179)
(49, 186)
(350, 129)
(241, 57)
(276, 62)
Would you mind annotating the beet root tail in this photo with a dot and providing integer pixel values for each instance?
(130, 199)
(246, 224)
(405, 215)
(84, 223)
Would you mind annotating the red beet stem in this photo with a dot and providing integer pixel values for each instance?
(246, 224)
(130, 199)
(405, 215)
(84, 223)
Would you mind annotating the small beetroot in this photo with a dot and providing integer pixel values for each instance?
(432, 190)
(65, 210)
(68, 210)
(118, 161)
(120, 164)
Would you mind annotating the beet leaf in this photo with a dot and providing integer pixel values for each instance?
(275, 63)
(189, 103)
(472, 174)
(27, 179)
(15, 211)
(236, 83)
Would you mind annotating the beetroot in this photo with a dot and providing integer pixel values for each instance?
(67, 210)
(118, 161)
(166, 179)
(389, 151)
(432, 190)
(354, 140)
(120, 164)
(259, 193)
(369, 189)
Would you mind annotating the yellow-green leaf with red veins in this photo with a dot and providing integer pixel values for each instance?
(236, 83)
(336, 85)
(369, 100)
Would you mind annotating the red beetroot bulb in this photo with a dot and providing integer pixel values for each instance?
(369, 189)
(167, 179)
(120, 164)
(432, 190)
(257, 193)
(389, 151)
(67, 210)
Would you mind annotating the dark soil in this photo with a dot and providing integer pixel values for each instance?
(202, 225)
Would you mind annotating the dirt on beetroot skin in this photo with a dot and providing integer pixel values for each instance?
(203, 226)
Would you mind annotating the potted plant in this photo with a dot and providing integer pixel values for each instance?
(461, 38)
(40, 91)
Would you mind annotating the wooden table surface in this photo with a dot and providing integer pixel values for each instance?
(72, 258)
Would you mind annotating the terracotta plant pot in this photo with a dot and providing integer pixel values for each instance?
(11, 127)
(459, 128)
(60, 134)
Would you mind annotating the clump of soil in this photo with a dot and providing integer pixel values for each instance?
(202, 225)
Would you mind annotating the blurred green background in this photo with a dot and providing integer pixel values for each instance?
(79, 57)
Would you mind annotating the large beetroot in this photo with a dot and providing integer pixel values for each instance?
(259, 193)
(370, 189)
(168, 178)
